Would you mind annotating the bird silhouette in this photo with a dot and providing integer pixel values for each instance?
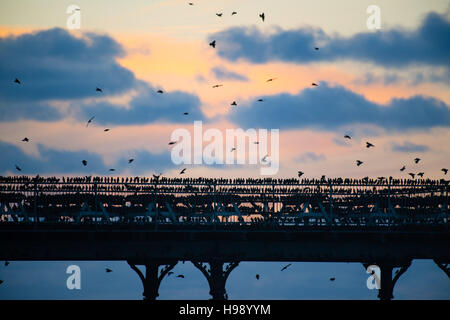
(262, 16)
(257, 276)
(260, 100)
(316, 48)
(172, 142)
(186, 113)
(6, 263)
(359, 162)
(18, 168)
(112, 169)
(234, 103)
(416, 160)
(217, 85)
(232, 149)
(106, 130)
(17, 81)
(90, 120)
(84, 162)
(182, 171)
(286, 266)
(314, 84)
(156, 177)
(256, 142)
(420, 174)
(160, 91)
(368, 145)
(25, 139)
(169, 273)
(403, 168)
(233, 13)
(332, 278)
(271, 79)
(1, 281)
(412, 175)
(445, 170)
(108, 270)
(300, 173)
(213, 43)
(219, 14)
(347, 136)
(180, 276)
(130, 160)
(98, 89)
(191, 4)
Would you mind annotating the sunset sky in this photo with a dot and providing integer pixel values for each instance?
(388, 86)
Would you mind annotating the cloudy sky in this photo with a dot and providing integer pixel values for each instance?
(388, 86)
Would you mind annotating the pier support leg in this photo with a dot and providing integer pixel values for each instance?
(151, 281)
(217, 276)
(443, 266)
(387, 282)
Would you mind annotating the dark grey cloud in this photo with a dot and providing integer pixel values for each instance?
(55, 161)
(221, 73)
(53, 64)
(410, 78)
(408, 146)
(428, 44)
(148, 106)
(332, 107)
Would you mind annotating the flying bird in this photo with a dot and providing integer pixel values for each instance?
(25, 139)
(314, 84)
(213, 43)
(233, 13)
(368, 145)
(182, 171)
(130, 160)
(316, 48)
(271, 79)
(98, 89)
(300, 173)
(359, 162)
(108, 270)
(347, 136)
(420, 174)
(186, 113)
(180, 276)
(106, 130)
(169, 273)
(217, 85)
(332, 279)
(286, 266)
(172, 142)
(84, 162)
(219, 14)
(160, 91)
(234, 103)
(260, 100)
(412, 175)
(18, 168)
(112, 169)
(90, 120)
(403, 168)
(262, 16)
(416, 160)
(444, 170)
(17, 81)
(257, 276)
(191, 4)
(232, 149)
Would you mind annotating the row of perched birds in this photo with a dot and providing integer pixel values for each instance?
(210, 182)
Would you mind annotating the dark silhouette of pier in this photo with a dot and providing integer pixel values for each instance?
(218, 223)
